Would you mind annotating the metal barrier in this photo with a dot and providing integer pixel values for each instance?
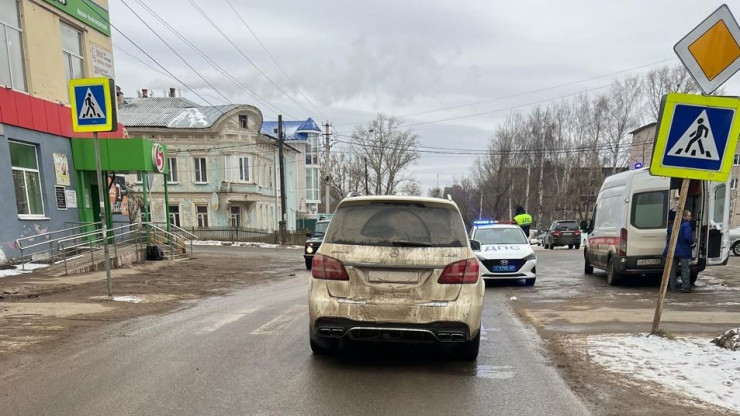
(22, 245)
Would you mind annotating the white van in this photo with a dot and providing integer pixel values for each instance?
(627, 233)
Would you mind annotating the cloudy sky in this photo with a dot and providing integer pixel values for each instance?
(451, 70)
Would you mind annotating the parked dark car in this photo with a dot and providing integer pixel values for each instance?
(563, 233)
(314, 241)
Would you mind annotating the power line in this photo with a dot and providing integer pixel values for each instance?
(524, 93)
(209, 60)
(295, 85)
(175, 52)
(241, 52)
(93, 7)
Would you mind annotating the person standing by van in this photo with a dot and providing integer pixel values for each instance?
(682, 254)
(523, 219)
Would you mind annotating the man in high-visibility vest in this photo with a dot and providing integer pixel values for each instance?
(523, 219)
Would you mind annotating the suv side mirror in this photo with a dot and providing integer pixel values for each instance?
(475, 245)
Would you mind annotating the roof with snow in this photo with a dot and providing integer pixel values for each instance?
(170, 112)
(294, 130)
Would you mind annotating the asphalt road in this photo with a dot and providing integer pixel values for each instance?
(248, 354)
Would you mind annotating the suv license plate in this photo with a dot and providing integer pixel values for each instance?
(567, 233)
(504, 268)
(648, 262)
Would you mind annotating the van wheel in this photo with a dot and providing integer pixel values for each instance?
(468, 351)
(587, 267)
(612, 277)
(736, 248)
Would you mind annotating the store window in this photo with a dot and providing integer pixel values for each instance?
(26, 179)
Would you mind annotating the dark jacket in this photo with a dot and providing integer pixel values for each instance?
(684, 243)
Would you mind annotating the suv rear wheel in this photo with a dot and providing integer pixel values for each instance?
(468, 351)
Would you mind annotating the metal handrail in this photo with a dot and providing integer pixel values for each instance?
(21, 247)
(170, 234)
(182, 230)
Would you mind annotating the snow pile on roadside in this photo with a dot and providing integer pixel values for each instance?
(729, 340)
(130, 299)
(19, 269)
(237, 244)
(690, 367)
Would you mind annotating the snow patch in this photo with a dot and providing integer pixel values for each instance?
(513, 298)
(237, 244)
(29, 267)
(690, 366)
(130, 299)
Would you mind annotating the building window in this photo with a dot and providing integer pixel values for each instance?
(12, 73)
(139, 178)
(200, 170)
(237, 169)
(737, 160)
(201, 212)
(174, 211)
(243, 121)
(312, 149)
(236, 214)
(733, 183)
(26, 179)
(312, 184)
(172, 166)
(72, 52)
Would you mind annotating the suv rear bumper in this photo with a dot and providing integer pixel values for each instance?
(432, 332)
(563, 241)
(434, 321)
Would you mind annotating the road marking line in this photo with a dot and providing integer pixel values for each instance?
(232, 317)
(281, 321)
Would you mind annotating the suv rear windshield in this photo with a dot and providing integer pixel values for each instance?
(397, 223)
(567, 226)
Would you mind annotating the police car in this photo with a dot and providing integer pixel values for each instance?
(504, 251)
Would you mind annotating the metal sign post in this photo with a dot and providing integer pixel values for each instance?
(93, 110)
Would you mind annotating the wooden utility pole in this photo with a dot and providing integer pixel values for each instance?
(281, 141)
(669, 256)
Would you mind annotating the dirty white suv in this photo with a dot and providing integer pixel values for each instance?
(396, 269)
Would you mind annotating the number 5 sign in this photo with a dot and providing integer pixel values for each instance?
(158, 158)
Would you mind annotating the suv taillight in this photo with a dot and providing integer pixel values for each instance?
(623, 242)
(556, 233)
(576, 232)
(463, 271)
(324, 267)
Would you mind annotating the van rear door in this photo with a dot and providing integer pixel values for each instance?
(718, 223)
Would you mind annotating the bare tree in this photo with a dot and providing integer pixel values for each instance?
(411, 188)
(388, 149)
(659, 82)
(623, 117)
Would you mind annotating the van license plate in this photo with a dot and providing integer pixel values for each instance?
(504, 268)
(648, 262)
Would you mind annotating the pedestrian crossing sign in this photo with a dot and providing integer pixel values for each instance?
(92, 104)
(696, 137)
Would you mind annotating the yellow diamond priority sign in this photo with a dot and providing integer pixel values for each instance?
(711, 52)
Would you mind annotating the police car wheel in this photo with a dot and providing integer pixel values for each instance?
(308, 263)
(736, 249)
